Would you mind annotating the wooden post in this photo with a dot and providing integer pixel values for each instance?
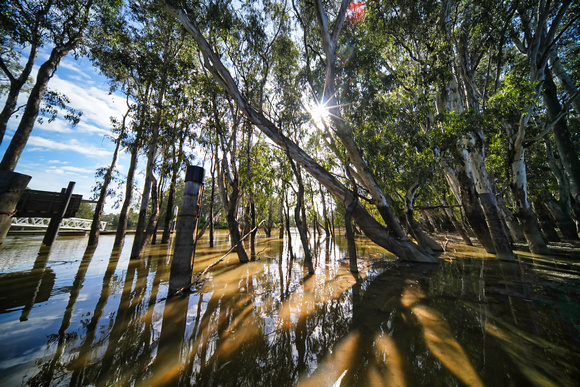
(54, 225)
(186, 230)
(12, 185)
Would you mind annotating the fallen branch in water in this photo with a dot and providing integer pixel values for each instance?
(198, 277)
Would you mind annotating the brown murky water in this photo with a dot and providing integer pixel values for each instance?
(74, 317)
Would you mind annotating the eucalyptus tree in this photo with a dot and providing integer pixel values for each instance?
(58, 24)
(107, 174)
(398, 243)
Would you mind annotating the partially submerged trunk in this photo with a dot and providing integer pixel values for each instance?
(400, 246)
(547, 224)
(499, 235)
(129, 186)
(351, 245)
(300, 218)
(562, 218)
(519, 185)
(96, 225)
(414, 228)
(169, 212)
(472, 209)
(458, 226)
(230, 203)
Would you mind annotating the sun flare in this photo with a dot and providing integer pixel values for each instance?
(319, 113)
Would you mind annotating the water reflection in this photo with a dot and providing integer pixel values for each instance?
(95, 317)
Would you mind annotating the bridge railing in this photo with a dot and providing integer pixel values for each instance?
(67, 223)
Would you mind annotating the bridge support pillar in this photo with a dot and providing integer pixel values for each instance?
(12, 185)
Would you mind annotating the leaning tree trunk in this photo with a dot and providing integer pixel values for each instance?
(16, 85)
(562, 218)
(487, 198)
(472, 208)
(561, 209)
(458, 226)
(401, 247)
(414, 227)
(547, 224)
(20, 138)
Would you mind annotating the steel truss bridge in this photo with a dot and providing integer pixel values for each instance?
(67, 224)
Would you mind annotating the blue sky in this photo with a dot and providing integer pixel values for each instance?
(56, 152)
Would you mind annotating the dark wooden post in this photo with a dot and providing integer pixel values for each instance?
(12, 185)
(186, 230)
(54, 225)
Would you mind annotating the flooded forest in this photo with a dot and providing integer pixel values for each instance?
(326, 193)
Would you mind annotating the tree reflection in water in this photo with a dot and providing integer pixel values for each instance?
(465, 321)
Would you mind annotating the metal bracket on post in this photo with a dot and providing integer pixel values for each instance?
(186, 230)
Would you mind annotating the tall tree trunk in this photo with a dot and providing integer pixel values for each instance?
(169, 208)
(536, 241)
(423, 239)
(324, 211)
(96, 225)
(471, 207)
(231, 207)
(350, 242)
(561, 209)
(211, 199)
(564, 144)
(141, 237)
(20, 138)
(177, 157)
(281, 216)
(300, 218)
(16, 84)
(159, 188)
(566, 81)
(458, 226)
(288, 231)
(401, 247)
(487, 198)
(547, 224)
(562, 218)
(514, 228)
(124, 214)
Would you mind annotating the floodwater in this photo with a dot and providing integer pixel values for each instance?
(74, 317)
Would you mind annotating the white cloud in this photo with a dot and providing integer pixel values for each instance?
(70, 170)
(72, 145)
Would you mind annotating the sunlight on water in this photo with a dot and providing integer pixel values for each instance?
(76, 316)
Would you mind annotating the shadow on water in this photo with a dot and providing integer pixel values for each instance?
(95, 317)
